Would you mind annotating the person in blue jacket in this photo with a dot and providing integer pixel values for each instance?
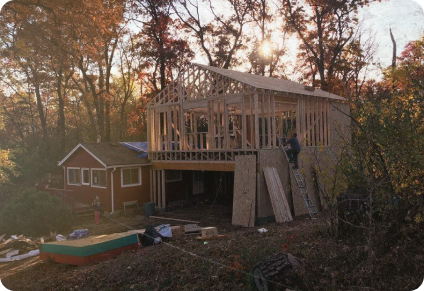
(294, 150)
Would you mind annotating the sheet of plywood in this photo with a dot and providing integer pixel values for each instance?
(277, 195)
(244, 201)
(272, 158)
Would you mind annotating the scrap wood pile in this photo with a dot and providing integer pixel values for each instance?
(18, 247)
(153, 235)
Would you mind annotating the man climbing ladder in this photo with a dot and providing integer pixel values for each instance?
(293, 151)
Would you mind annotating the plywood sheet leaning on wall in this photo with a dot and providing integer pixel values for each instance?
(244, 201)
(278, 197)
(272, 158)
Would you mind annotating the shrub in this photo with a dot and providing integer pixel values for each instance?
(34, 213)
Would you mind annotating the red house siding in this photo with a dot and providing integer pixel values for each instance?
(86, 193)
(140, 193)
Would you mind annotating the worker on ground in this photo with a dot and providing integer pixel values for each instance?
(293, 151)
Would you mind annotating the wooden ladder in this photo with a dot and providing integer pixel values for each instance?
(312, 209)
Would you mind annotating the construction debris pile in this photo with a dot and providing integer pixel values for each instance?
(18, 247)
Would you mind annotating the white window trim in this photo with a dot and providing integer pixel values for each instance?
(91, 178)
(67, 176)
(82, 176)
(130, 185)
(175, 180)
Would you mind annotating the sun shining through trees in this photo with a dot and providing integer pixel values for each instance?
(267, 49)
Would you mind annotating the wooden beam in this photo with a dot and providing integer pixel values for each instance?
(252, 123)
(163, 189)
(158, 176)
(263, 120)
(168, 128)
(243, 124)
(256, 121)
(195, 166)
(151, 185)
(173, 219)
(274, 124)
(314, 117)
(269, 115)
(226, 128)
(154, 187)
(149, 131)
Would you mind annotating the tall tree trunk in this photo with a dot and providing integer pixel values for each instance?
(40, 108)
(61, 117)
(394, 49)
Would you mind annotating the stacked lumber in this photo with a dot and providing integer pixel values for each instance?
(277, 195)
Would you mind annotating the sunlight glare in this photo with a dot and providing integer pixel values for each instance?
(266, 48)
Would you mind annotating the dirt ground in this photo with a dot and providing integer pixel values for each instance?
(189, 264)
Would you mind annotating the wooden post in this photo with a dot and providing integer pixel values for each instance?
(252, 123)
(194, 121)
(158, 173)
(321, 136)
(257, 143)
(218, 116)
(168, 128)
(314, 119)
(226, 128)
(268, 98)
(157, 131)
(274, 127)
(176, 131)
(149, 131)
(328, 124)
(163, 189)
(151, 185)
(182, 126)
(154, 187)
(263, 120)
(243, 123)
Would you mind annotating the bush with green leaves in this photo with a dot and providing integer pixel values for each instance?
(34, 213)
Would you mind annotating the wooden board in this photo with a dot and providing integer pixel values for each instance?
(272, 158)
(209, 231)
(244, 201)
(278, 197)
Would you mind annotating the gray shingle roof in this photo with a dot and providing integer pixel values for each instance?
(114, 154)
(269, 83)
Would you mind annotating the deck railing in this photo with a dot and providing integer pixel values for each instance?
(199, 155)
(68, 197)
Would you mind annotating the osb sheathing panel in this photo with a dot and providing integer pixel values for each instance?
(244, 201)
(274, 158)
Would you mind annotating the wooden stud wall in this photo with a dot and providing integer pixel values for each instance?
(312, 122)
(157, 188)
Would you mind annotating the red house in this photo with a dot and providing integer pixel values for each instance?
(116, 172)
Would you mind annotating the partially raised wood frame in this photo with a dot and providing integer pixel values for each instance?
(208, 116)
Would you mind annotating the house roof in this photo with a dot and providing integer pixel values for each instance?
(139, 147)
(269, 83)
(110, 154)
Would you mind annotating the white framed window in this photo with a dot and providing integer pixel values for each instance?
(98, 178)
(130, 177)
(174, 176)
(74, 176)
(85, 176)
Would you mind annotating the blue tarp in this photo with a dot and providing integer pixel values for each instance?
(138, 146)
